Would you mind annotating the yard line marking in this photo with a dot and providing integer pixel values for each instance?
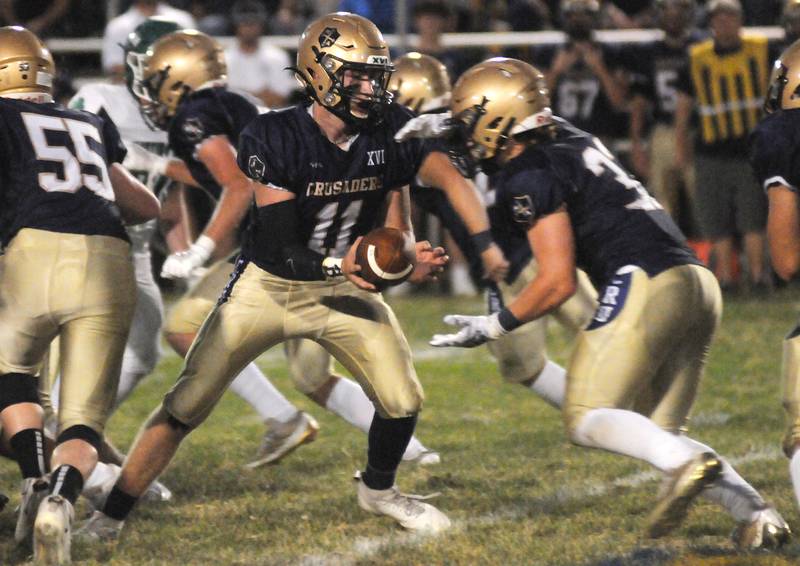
(366, 547)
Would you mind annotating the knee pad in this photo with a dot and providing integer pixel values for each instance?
(18, 388)
(81, 432)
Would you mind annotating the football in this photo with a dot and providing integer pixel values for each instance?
(384, 258)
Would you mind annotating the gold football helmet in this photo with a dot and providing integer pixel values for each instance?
(492, 102)
(420, 82)
(784, 84)
(26, 66)
(176, 65)
(340, 42)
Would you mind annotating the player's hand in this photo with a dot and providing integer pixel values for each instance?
(564, 61)
(495, 264)
(181, 265)
(351, 269)
(474, 331)
(425, 126)
(430, 262)
(140, 159)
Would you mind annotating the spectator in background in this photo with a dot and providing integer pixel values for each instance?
(528, 15)
(210, 17)
(587, 79)
(117, 30)
(380, 12)
(725, 80)
(254, 65)
(431, 19)
(790, 20)
(292, 17)
(654, 98)
(629, 14)
(39, 16)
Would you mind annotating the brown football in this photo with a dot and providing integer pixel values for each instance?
(384, 258)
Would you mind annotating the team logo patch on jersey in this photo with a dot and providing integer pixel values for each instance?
(255, 167)
(522, 210)
(612, 301)
(328, 37)
(193, 129)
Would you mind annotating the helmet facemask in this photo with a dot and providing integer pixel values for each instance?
(466, 152)
(155, 111)
(341, 99)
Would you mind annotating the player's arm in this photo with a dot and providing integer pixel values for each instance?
(438, 171)
(553, 244)
(639, 157)
(140, 159)
(135, 202)
(783, 230)
(683, 115)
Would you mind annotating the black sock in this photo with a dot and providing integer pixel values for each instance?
(119, 504)
(67, 482)
(28, 448)
(388, 439)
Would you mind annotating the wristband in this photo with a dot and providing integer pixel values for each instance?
(205, 246)
(507, 320)
(332, 267)
(482, 241)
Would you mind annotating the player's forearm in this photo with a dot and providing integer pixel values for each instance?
(230, 210)
(135, 202)
(398, 212)
(615, 88)
(638, 111)
(783, 231)
(177, 170)
(541, 296)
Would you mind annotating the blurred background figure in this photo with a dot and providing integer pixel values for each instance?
(117, 30)
(380, 12)
(292, 16)
(432, 18)
(255, 66)
(725, 81)
(39, 16)
(790, 21)
(653, 102)
(587, 79)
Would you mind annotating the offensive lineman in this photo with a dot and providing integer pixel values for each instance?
(321, 170)
(67, 273)
(635, 370)
(774, 156)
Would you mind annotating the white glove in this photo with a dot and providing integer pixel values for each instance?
(475, 330)
(425, 126)
(180, 265)
(140, 159)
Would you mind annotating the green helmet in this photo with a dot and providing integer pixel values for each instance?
(139, 40)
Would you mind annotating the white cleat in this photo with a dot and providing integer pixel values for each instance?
(767, 530)
(99, 528)
(96, 496)
(33, 490)
(52, 532)
(282, 438)
(408, 510)
(425, 458)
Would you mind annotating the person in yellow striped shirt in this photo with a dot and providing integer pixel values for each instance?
(724, 81)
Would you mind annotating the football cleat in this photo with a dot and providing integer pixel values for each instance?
(282, 438)
(679, 490)
(52, 532)
(99, 528)
(767, 530)
(425, 458)
(33, 490)
(408, 510)
(96, 496)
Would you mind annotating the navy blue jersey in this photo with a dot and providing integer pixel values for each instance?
(339, 193)
(615, 221)
(658, 66)
(775, 149)
(55, 170)
(578, 95)
(206, 113)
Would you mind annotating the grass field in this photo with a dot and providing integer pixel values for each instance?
(517, 492)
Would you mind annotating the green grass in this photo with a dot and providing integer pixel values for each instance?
(517, 491)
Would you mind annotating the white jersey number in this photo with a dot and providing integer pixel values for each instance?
(599, 160)
(576, 98)
(78, 131)
(325, 222)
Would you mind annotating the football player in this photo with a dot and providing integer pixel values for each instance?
(775, 143)
(636, 368)
(202, 126)
(66, 273)
(321, 171)
(421, 83)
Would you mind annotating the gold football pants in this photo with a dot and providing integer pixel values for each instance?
(82, 289)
